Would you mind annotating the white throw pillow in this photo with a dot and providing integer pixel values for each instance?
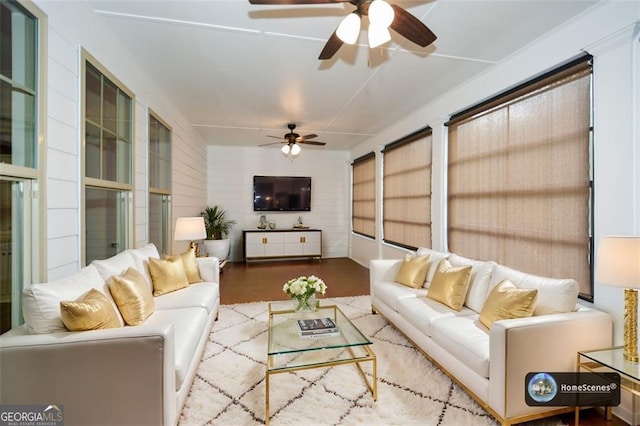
(41, 302)
(114, 265)
(434, 260)
(555, 295)
(480, 279)
(141, 257)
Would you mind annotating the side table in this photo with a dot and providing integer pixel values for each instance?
(610, 360)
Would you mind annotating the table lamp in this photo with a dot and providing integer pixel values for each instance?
(190, 229)
(618, 264)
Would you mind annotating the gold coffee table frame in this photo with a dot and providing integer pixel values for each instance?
(287, 351)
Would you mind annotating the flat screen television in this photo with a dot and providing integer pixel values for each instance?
(281, 193)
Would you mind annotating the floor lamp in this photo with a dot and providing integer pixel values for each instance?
(618, 264)
(190, 229)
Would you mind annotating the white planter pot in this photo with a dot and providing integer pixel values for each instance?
(218, 248)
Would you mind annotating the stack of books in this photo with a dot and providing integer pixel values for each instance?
(317, 327)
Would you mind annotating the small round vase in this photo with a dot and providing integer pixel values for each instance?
(304, 303)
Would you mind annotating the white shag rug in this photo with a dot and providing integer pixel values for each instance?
(229, 386)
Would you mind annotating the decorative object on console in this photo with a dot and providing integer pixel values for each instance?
(618, 264)
(303, 292)
(272, 225)
(190, 229)
(262, 222)
(217, 226)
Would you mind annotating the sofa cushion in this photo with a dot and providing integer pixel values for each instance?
(450, 285)
(93, 311)
(41, 302)
(132, 296)
(413, 271)
(421, 312)
(390, 292)
(114, 265)
(465, 339)
(478, 282)
(554, 295)
(434, 259)
(203, 295)
(168, 275)
(506, 301)
(189, 326)
(141, 257)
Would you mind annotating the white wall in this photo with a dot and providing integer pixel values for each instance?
(230, 179)
(72, 26)
(609, 31)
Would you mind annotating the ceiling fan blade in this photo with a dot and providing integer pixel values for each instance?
(272, 143)
(333, 44)
(411, 27)
(275, 137)
(307, 137)
(272, 2)
(312, 142)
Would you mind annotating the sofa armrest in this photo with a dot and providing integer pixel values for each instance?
(547, 343)
(117, 376)
(209, 268)
(382, 270)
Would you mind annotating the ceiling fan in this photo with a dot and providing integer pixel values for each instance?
(292, 141)
(382, 16)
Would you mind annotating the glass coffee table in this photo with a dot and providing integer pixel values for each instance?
(287, 351)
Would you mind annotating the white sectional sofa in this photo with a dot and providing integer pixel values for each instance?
(131, 375)
(491, 364)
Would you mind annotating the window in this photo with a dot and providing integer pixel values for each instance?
(159, 184)
(406, 194)
(22, 47)
(108, 132)
(363, 214)
(520, 177)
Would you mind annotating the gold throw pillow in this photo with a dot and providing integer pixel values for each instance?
(190, 265)
(91, 312)
(413, 271)
(450, 285)
(132, 296)
(507, 301)
(167, 275)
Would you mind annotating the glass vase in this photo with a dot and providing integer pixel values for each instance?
(304, 303)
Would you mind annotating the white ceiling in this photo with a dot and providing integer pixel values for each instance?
(240, 72)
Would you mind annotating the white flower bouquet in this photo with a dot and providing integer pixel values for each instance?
(303, 291)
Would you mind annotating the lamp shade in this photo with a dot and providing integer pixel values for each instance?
(189, 228)
(381, 13)
(285, 149)
(378, 35)
(295, 149)
(349, 29)
(618, 261)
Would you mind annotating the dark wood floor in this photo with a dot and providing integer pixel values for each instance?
(263, 281)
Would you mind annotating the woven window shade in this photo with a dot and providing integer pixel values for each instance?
(519, 180)
(407, 192)
(364, 196)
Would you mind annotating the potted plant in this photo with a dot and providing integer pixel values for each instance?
(217, 226)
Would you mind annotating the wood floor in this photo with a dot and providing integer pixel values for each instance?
(263, 281)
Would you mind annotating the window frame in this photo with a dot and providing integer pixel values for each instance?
(126, 190)
(425, 134)
(165, 193)
(367, 160)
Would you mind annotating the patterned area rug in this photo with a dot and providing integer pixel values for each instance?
(229, 385)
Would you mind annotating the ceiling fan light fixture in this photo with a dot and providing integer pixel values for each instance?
(349, 29)
(378, 35)
(381, 13)
(285, 149)
(295, 149)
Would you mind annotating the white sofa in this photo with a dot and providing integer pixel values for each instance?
(133, 375)
(491, 364)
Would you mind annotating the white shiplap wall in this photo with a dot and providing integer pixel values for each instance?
(230, 179)
(72, 26)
